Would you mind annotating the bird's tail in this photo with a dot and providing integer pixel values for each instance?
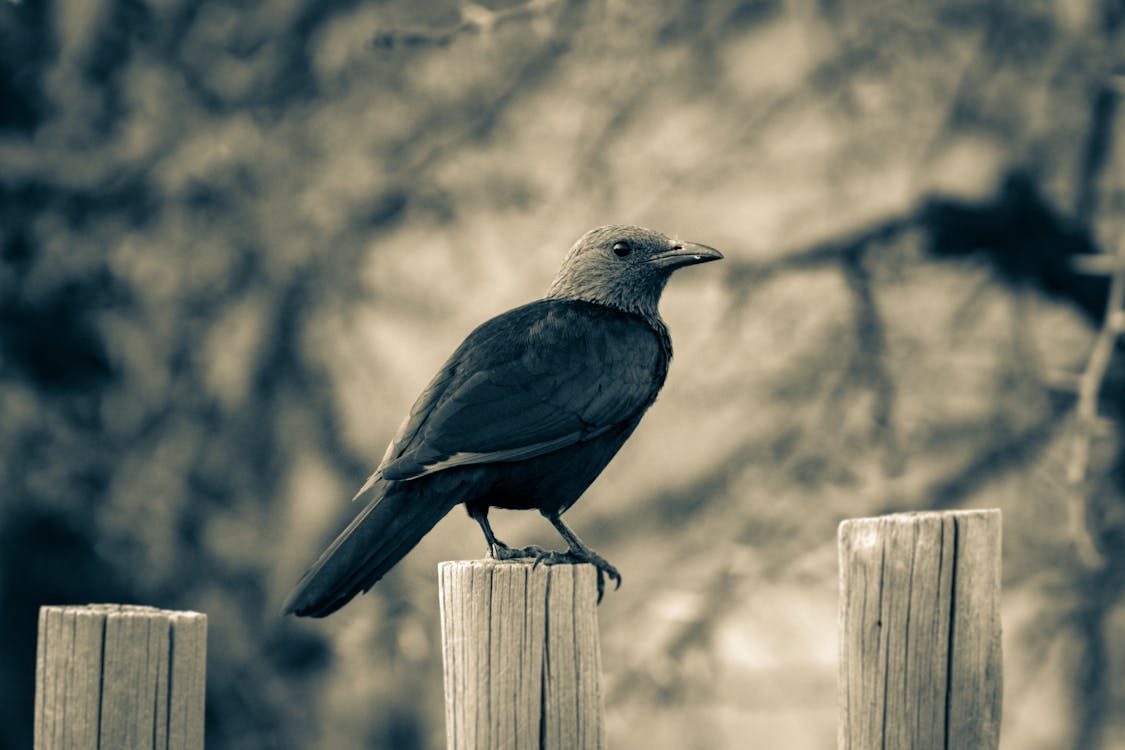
(391, 524)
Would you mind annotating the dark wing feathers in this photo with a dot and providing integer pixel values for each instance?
(395, 519)
(536, 379)
(532, 381)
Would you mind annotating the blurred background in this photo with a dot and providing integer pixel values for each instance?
(238, 238)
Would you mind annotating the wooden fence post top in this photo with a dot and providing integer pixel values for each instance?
(122, 609)
(489, 563)
(988, 515)
(120, 676)
(920, 653)
(521, 656)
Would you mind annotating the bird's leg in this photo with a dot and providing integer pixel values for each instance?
(579, 552)
(497, 550)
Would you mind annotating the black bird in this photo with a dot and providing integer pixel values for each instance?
(525, 414)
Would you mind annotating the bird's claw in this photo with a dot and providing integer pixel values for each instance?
(550, 557)
(571, 556)
(604, 569)
(501, 551)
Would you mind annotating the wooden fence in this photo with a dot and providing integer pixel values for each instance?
(121, 677)
(919, 633)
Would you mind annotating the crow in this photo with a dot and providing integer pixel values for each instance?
(525, 414)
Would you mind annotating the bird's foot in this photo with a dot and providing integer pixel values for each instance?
(501, 551)
(574, 555)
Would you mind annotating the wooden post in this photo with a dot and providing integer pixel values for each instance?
(919, 631)
(119, 676)
(521, 655)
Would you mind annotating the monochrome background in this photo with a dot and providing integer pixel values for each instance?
(236, 240)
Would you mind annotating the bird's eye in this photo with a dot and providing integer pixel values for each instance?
(621, 249)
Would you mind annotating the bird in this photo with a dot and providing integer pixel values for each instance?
(524, 415)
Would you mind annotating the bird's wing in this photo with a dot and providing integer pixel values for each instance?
(525, 384)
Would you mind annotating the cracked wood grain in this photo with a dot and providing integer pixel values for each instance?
(521, 655)
(120, 676)
(920, 661)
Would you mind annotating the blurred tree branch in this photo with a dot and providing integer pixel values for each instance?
(1087, 423)
(475, 19)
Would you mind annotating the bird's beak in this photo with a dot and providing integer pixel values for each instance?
(685, 254)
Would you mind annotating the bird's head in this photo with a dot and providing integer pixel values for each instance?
(625, 267)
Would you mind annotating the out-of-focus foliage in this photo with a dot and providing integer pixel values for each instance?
(238, 238)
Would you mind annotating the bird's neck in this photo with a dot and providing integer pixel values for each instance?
(643, 305)
(643, 301)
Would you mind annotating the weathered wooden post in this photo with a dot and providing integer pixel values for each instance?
(919, 631)
(521, 655)
(119, 676)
